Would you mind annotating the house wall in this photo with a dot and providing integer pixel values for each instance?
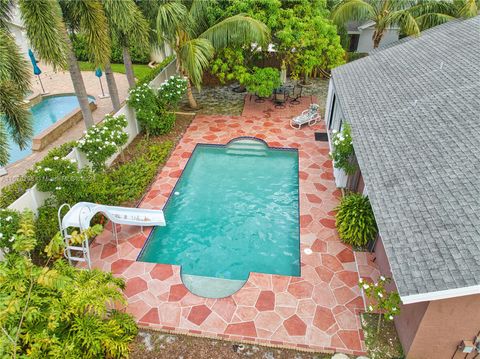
(444, 325)
(365, 42)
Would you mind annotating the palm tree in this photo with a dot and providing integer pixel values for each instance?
(44, 29)
(86, 16)
(383, 13)
(194, 43)
(127, 24)
(433, 13)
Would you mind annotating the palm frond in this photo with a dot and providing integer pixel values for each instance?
(13, 66)
(404, 19)
(126, 21)
(170, 17)
(93, 23)
(15, 114)
(195, 58)
(3, 141)
(468, 8)
(349, 10)
(6, 7)
(45, 30)
(197, 13)
(432, 19)
(237, 30)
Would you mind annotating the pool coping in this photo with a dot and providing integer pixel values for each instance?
(56, 130)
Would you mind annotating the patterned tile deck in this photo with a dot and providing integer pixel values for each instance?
(318, 310)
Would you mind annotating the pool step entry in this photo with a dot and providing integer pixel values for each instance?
(248, 147)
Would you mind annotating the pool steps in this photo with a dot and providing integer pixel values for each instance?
(247, 147)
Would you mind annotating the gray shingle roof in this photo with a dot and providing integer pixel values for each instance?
(414, 109)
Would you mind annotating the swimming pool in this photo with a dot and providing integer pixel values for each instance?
(233, 211)
(44, 114)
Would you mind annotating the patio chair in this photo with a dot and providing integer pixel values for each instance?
(297, 93)
(310, 116)
(279, 99)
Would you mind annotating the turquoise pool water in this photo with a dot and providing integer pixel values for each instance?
(233, 211)
(45, 113)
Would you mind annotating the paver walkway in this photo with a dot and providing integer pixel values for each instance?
(59, 83)
(318, 310)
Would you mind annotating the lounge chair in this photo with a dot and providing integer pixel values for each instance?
(310, 116)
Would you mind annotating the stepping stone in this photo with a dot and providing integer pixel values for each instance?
(340, 356)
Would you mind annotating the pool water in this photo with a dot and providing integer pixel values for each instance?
(44, 114)
(233, 211)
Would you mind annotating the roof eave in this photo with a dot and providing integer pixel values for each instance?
(442, 294)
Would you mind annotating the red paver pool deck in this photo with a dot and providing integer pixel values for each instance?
(317, 311)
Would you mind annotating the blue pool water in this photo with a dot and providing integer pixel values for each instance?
(233, 211)
(45, 113)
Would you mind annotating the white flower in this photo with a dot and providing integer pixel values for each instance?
(366, 286)
(394, 309)
(56, 158)
(370, 308)
(380, 295)
(58, 188)
(390, 317)
(11, 239)
(334, 131)
(1, 235)
(382, 277)
(361, 280)
(8, 219)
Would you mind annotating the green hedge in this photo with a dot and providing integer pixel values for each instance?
(82, 54)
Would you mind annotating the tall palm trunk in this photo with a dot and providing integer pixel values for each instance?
(79, 86)
(377, 37)
(191, 100)
(127, 61)
(112, 87)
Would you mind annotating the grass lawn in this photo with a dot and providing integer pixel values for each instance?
(139, 70)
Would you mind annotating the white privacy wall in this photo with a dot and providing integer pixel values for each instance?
(33, 199)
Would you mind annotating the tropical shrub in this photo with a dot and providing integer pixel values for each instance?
(59, 311)
(13, 191)
(9, 223)
(387, 303)
(355, 220)
(263, 81)
(171, 92)
(102, 141)
(342, 154)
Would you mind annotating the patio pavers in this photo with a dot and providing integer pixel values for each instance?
(318, 310)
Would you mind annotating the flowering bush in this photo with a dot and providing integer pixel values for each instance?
(342, 154)
(153, 109)
(9, 223)
(101, 142)
(61, 177)
(382, 301)
(171, 91)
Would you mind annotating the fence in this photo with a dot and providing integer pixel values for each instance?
(33, 199)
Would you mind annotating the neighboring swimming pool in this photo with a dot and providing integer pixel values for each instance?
(45, 113)
(233, 211)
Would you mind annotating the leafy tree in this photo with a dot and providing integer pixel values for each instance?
(186, 31)
(432, 13)
(263, 81)
(47, 42)
(59, 311)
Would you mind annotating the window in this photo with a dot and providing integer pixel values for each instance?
(353, 42)
(332, 110)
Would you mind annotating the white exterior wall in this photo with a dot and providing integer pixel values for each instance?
(334, 109)
(365, 42)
